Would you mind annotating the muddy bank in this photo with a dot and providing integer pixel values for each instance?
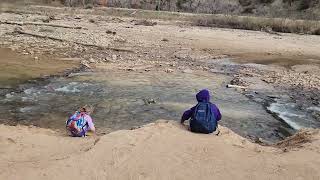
(17, 68)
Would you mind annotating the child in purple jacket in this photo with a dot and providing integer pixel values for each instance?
(202, 97)
(81, 122)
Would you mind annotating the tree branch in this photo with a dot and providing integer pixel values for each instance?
(63, 40)
(39, 24)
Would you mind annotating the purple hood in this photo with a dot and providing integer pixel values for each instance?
(203, 96)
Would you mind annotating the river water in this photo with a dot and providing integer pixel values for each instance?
(123, 100)
(127, 99)
(296, 114)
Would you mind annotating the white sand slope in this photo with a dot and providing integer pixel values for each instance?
(162, 150)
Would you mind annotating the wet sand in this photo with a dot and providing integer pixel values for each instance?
(17, 68)
(287, 62)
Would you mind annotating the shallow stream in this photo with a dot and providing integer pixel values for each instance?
(128, 99)
(123, 100)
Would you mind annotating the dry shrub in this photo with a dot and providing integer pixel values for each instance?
(297, 140)
(258, 23)
(145, 22)
(316, 31)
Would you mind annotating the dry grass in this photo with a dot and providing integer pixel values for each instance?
(284, 25)
(297, 140)
(260, 23)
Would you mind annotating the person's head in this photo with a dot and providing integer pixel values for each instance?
(87, 109)
(203, 96)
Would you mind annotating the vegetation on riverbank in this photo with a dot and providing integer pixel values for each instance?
(299, 16)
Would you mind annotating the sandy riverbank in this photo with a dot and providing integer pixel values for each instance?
(161, 150)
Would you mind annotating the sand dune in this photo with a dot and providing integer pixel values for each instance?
(161, 150)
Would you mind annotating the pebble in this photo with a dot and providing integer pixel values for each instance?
(91, 60)
(169, 70)
(114, 57)
(187, 71)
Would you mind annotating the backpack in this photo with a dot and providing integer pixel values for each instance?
(203, 119)
(77, 124)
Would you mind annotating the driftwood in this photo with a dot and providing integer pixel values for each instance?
(80, 74)
(6, 88)
(63, 40)
(39, 24)
(236, 86)
(20, 12)
(270, 31)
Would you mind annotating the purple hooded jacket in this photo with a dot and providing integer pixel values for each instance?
(202, 96)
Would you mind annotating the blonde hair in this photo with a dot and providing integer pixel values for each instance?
(87, 109)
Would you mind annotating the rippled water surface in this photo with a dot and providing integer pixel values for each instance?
(123, 100)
